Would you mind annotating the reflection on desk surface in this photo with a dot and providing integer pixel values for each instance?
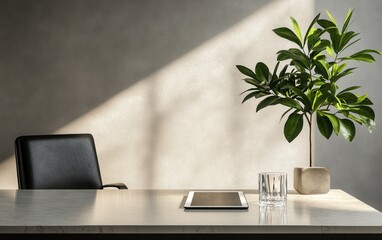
(160, 210)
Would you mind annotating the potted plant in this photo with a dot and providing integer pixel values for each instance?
(308, 86)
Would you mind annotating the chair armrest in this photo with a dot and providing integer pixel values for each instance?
(115, 185)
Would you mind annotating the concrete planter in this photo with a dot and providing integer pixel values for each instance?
(311, 180)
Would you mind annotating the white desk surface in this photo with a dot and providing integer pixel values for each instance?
(161, 211)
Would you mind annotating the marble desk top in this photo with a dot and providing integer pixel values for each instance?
(161, 211)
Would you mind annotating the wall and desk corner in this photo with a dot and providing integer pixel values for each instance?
(58, 161)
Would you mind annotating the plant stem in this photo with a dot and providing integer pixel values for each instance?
(310, 141)
(309, 120)
(310, 123)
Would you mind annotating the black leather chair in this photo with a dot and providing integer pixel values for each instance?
(58, 161)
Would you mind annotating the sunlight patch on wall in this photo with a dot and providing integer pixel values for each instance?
(184, 126)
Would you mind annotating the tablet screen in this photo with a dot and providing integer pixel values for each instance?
(216, 199)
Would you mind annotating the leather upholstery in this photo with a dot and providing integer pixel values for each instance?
(60, 161)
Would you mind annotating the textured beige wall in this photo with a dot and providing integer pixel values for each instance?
(179, 123)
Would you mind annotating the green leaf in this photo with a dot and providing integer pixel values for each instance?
(290, 103)
(366, 101)
(347, 97)
(352, 117)
(319, 99)
(371, 51)
(249, 96)
(274, 75)
(325, 87)
(296, 28)
(329, 50)
(331, 18)
(310, 95)
(350, 44)
(285, 113)
(341, 67)
(283, 71)
(334, 121)
(320, 57)
(322, 68)
(324, 125)
(349, 89)
(321, 45)
(300, 67)
(246, 71)
(259, 94)
(363, 55)
(256, 83)
(308, 31)
(370, 124)
(326, 24)
(347, 20)
(334, 33)
(262, 71)
(361, 98)
(333, 88)
(344, 73)
(347, 129)
(364, 111)
(336, 40)
(293, 126)
(345, 39)
(314, 37)
(304, 98)
(287, 34)
(271, 100)
(251, 89)
(294, 54)
(360, 57)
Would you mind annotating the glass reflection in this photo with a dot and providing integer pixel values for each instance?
(273, 215)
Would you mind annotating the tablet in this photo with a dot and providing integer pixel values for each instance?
(216, 199)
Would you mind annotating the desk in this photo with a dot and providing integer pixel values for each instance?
(161, 211)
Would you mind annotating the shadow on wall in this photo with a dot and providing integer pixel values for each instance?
(156, 84)
(60, 59)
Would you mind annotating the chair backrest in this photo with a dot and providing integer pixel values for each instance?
(57, 161)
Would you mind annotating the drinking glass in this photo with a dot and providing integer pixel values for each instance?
(272, 188)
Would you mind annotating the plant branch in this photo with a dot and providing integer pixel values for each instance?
(307, 118)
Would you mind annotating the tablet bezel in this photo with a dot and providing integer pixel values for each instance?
(243, 201)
